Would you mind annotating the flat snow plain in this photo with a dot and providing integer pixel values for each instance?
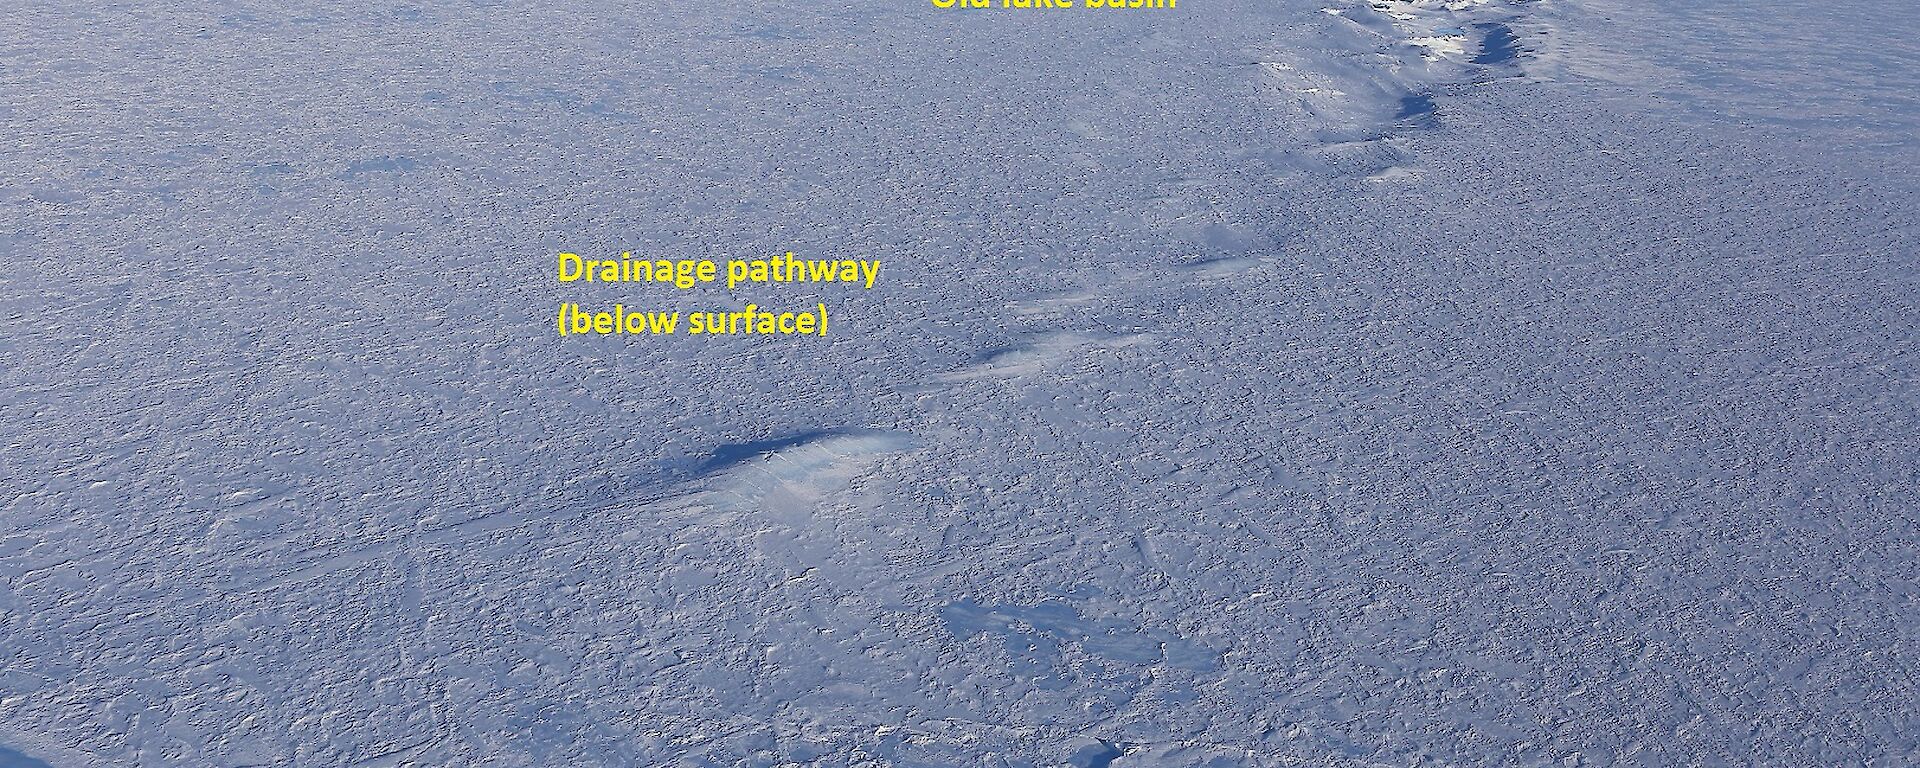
(1253, 384)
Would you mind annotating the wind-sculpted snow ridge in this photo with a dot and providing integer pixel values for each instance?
(1390, 64)
(790, 475)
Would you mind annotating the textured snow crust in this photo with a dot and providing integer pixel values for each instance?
(1257, 384)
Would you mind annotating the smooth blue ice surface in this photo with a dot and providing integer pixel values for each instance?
(12, 759)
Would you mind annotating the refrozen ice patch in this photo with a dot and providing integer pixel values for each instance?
(12, 759)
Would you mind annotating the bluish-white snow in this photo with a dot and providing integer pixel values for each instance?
(1252, 383)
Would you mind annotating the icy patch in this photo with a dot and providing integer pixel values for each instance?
(12, 759)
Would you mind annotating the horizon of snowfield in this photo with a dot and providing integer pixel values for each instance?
(1239, 384)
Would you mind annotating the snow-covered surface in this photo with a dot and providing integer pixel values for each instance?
(1257, 383)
